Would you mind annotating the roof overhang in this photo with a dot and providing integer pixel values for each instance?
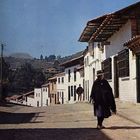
(73, 61)
(134, 44)
(91, 28)
(53, 78)
(102, 28)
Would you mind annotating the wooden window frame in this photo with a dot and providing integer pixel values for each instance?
(107, 68)
(123, 63)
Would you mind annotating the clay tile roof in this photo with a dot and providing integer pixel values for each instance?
(102, 28)
(132, 40)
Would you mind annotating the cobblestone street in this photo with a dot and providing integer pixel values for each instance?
(62, 122)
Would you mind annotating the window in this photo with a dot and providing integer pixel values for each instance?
(62, 79)
(74, 93)
(58, 80)
(107, 68)
(71, 90)
(74, 74)
(68, 93)
(123, 63)
(69, 75)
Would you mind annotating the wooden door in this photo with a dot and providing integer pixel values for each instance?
(116, 79)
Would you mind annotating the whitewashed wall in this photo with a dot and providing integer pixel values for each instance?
(127, 85)
(31, 101)
(61, 89)
(91, 67)
(37, 97)
(79, 80)
(117, 40)
(45, 97)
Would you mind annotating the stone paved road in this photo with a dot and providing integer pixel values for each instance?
(62, 122)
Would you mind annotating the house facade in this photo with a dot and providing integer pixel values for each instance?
(61, 88)
(110, 33)
(74, 76)
(53, 90)
(45, 95)
(92, 61)
(40, 97)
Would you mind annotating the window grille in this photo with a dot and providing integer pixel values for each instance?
(107, 68)
(123, 63)
(74, 74)
(69, 75)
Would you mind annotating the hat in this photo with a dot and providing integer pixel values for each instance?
(100, 72)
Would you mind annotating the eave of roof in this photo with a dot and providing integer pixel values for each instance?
(132, 41)
(80, 68)
(109, 24)
(52, 78)
(28, 93)
(45, 85)
(134, 44)
(72, 60)
(90, 28)
(60, 74)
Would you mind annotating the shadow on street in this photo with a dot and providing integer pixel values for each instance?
(53, 134)
(123, 127)
(16, 118)
(8, 104)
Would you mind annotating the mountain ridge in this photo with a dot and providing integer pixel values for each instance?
(21, 55)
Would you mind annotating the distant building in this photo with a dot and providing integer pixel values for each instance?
(61, 88)
(74, 76)
(37, 98)
(53, 90)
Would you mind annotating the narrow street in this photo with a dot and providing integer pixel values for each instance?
(62, 122)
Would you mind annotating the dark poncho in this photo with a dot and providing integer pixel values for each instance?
(103, 98)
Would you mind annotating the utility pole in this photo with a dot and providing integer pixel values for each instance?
(1, 71)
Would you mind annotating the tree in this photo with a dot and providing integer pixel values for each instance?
(4, 72)
(22, 78)
(38, 78)
(51, 58)
(46, 58)
(26, 78)
(58, 57)
(41, 57)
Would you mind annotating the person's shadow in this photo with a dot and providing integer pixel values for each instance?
(53, 134)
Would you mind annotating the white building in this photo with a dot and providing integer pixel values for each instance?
(121, 65)
(92, 63)
(73, 77)
(45, 95)
(61, 88)
(37, 98)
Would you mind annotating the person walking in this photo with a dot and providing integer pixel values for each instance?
(79, 91)
(102, 99)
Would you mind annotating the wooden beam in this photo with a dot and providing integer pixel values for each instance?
(101, 26)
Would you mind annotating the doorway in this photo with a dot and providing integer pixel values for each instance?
(138, 77)
(116, 79)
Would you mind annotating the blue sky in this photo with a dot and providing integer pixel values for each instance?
(50, 26)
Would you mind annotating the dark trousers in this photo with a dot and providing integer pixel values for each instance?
(100, 120)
